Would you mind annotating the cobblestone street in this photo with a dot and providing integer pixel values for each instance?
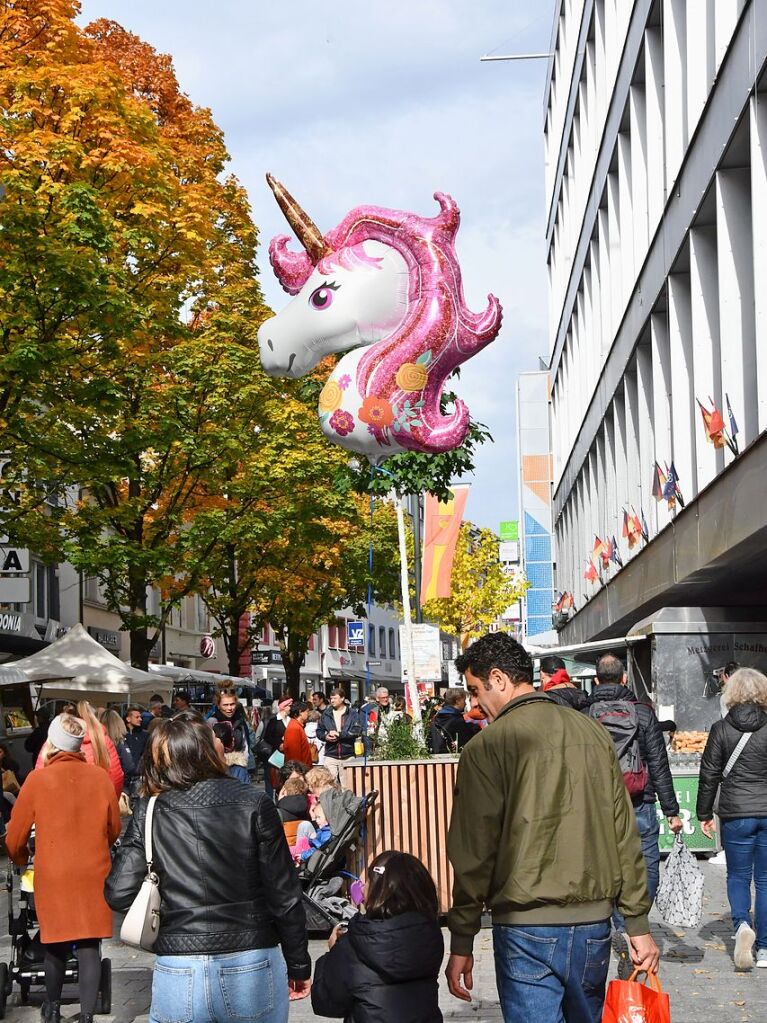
(697, 970)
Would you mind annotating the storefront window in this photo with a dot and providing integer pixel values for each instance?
(371, 640)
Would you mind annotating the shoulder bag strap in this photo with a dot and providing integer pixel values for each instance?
(148, 851)
(736, 753)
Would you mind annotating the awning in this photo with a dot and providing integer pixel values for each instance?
(76, 665)
(578, 648)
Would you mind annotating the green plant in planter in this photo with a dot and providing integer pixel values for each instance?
(402, 742)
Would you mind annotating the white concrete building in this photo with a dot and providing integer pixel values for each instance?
(656, 230)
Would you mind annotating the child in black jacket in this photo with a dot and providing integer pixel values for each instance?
(385, 967)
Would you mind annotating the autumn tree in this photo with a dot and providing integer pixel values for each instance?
(481, 589)
(129, 306)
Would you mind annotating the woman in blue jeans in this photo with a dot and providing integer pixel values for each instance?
(735, 763)
(232, 942)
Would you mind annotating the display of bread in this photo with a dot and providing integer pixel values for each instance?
(689, 742)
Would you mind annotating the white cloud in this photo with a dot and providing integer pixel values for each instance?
(371, 103)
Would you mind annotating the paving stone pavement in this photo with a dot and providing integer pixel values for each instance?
(696, 969)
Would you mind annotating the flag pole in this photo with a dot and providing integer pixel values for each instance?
(412, 682)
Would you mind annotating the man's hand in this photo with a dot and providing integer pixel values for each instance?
(645, 954)
(332, 736)
(460, 967)
(675, 824)
(299, 989)
(335, 934)
(708, 828)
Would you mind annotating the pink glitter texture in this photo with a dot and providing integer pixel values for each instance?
(437, 319)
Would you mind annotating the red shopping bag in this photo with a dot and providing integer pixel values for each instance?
(628, 1001)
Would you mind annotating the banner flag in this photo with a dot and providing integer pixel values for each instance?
(442, 522)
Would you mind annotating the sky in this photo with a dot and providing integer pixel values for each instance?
(351, 103)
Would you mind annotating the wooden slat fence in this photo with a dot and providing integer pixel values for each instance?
(412, 813)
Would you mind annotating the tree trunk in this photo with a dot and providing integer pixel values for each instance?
(140, 643)
(292, 666)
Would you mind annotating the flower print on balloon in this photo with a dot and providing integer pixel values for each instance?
(382, 290)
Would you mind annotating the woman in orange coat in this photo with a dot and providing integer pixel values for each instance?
(295, 745)
(73, 808)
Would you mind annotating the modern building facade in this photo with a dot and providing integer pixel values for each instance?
(535, 469)
(656, 190)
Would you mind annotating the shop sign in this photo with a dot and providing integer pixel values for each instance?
(10, 623)
(207, 647)
(108, 638)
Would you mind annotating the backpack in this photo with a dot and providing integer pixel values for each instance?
(621, 720)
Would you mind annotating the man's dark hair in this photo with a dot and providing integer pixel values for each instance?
(552, 664)
(338, 691)
(298, 708)
(730, 668)
(156, 699)
(182, 694)
(610, 669)
(496, 650)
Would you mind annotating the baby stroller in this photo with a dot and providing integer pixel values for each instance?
(26, 967)
(325, 876)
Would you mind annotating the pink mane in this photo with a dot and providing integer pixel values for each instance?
(439, 330)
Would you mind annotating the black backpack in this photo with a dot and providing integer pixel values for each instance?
(621, 720)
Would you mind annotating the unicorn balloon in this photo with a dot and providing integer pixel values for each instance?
(384, 287)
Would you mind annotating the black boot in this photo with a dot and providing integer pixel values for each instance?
(51, 1012)
(85, 1017)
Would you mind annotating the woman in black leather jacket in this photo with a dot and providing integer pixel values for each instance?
(742, 806)
(230, 892)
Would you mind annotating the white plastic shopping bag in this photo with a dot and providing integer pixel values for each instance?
(680, 892)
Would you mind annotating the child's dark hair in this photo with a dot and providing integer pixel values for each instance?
(292, 767)
(399, 883)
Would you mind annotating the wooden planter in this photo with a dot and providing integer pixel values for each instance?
(412, 813)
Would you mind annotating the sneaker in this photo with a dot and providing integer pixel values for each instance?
(744, 943)
(619, 943)
(761, 958)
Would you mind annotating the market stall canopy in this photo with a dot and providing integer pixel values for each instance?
(76, 665)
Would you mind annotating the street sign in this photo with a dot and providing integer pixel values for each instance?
(510, 530)
(373, 664)
(15, 590)
(355, 635)
(14, 560)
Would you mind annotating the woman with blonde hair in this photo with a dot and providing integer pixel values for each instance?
(73, 808)
(735, 764)
(97, 747)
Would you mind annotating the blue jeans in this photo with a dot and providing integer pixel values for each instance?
(649, 831)
(239, 987)
(552, 974)
(745, 846)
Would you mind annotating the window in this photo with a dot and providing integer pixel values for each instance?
(372, 640)
(382, 641)
(311, 643)
(203, 616)
(45, 591)
(341, 623)
(333, 636)
(392, 646)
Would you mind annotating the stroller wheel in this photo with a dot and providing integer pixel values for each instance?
(105, 988)
(4, 983)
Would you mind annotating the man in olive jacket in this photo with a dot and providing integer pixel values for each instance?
(544, 836)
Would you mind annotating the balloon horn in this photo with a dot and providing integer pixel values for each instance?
(305, 229)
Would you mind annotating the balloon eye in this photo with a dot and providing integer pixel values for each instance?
(322, 297)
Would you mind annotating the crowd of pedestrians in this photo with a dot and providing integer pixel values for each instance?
(554, 833)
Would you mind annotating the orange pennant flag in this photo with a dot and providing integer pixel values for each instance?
(442, 523)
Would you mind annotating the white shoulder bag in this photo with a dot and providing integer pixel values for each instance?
(142, 921)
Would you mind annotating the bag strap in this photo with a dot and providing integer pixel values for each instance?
(652, 980)
(736, 753)
(148, 851)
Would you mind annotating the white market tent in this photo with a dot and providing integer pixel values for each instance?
(78, 665)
